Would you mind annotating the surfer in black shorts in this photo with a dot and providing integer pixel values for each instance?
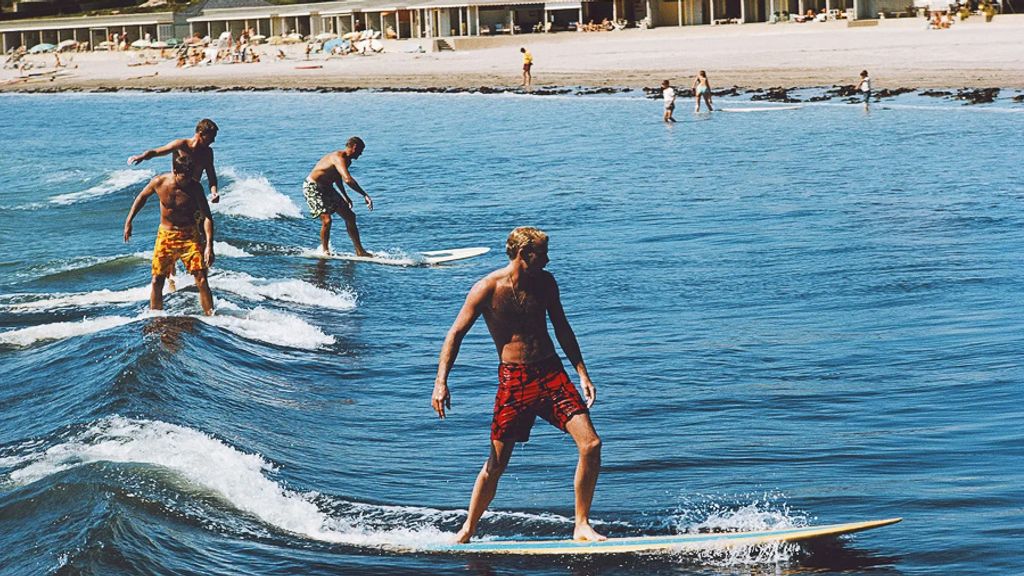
(323, 199)
(516, 302)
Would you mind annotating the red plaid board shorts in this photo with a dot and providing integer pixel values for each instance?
(526, 391)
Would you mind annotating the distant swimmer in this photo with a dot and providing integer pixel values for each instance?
(668, 93)
(323, 199)
(702, 89)
(198, 147)
(527, 67)
(864, 86)
(181, 199)
(516, 301)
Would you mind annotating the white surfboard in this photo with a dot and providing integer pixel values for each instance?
(761, 108)
(414, 259)
(649, 544)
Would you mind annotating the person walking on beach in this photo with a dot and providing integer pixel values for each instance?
(702, 89)
(323, 199)
(198, 147)
(864, 86)
(181, 197)
(527, 65)
(516, 301)
(668, 93)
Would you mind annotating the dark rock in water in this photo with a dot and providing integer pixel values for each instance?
(550, 91)
(979, 96)
(890, 93)
(1019, 98)
(777, 94)
(843, 91)
(936, 93)
(726, 92)
(821, 98)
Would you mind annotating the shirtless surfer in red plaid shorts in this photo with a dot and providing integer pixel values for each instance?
(516, 302)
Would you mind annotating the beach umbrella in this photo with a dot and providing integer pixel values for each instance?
(141, 44)
(66, 45)
(158, 44)
(172, 42)
(40, 48)
(275, 40)
(257, 38)
(325, 36)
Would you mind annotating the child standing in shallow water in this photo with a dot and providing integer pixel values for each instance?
(702, 89)
(668, 93)
(864, 86)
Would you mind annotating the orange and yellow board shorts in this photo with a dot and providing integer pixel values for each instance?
(173, 244)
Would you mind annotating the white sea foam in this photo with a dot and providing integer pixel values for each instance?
(219, 249)
(764, 512)
(225, 249)
(80, 300)
(296, 291)
(268, 326)
(116, 180)
(239, 283)
(254, 197)
(237, 477)
(61, 330)
(393, 257)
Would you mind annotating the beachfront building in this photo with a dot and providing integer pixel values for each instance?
(94, 30)
(402, 19)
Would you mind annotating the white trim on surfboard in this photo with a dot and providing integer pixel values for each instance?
(667, 543)
(428, 258)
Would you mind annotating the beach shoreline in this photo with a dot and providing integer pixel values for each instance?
(899, 53)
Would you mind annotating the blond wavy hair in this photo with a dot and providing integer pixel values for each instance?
(523, 237)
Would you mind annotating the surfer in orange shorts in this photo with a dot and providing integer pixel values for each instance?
(181, 198)
(516, 302)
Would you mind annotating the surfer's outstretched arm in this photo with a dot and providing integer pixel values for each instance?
(567, 340)
(471, 310)
(341, 165)
(137, 205)
(161, 151)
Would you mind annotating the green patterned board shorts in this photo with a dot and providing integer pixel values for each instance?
(321, 201)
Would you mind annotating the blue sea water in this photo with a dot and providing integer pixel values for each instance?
(792, 317)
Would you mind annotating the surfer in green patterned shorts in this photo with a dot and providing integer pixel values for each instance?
(324, 199)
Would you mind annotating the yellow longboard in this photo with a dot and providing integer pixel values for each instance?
(659, 543)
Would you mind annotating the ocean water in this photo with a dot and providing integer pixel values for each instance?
(792, 317)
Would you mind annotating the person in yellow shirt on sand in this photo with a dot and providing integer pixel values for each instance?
(527, 65)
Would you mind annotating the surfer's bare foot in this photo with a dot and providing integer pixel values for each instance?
(170, 284)
(464, 535)
(585, 532)
(364, 254)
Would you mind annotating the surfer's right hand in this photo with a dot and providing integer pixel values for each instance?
(441, 399)
(127, 231)
(133, 160)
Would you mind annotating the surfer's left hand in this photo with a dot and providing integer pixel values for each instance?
(589, 391)
(369, 202)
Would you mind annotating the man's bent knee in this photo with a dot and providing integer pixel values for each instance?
(591, 447)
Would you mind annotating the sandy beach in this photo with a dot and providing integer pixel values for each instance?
(898, 52)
